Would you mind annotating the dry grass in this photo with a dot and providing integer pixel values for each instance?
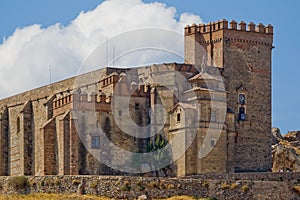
(297, 189)
(245, 188)
(51, 197)
(183, 198)
(75, 197)
(225, 186)
(234, 185)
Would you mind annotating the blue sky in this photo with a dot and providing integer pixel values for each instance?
(283, 15)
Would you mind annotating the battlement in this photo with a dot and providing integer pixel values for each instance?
(82, 101)
(102, 98)
(100, 102)
(110, 79)
(225, 25)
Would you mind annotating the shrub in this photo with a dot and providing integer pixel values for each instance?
(205, 183)
(56, 182)
(76, 182)
(234, 185)
(245, 188)
(163, 186)
(140, 186)
(43, 183)
(94, 184)
(225, 186)
(153, 184)
(126, 186)
(32, 182)
(281, 179)
(18, 182)
(171, 186)
(297, 189)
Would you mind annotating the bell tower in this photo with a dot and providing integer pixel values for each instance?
(243, 53)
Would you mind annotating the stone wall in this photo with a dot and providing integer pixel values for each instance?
(223, 186)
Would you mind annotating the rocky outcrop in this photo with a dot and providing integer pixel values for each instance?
(286, 151)
(285, 158)
(293, 137)
(276, 136)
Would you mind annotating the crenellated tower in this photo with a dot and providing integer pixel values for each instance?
(243, 53)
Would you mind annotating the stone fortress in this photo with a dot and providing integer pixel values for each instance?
(39, 132)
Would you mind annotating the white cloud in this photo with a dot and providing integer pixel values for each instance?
(27, 54)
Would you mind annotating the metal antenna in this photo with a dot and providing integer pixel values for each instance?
(106, 54)
(50, 78)
(113, 55)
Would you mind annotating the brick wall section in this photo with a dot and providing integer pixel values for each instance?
(16, 137)
(74, 145)
(49, 149)
(4, 143)
(63, 131)
(28, 139)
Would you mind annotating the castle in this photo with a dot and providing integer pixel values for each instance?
(218, 102)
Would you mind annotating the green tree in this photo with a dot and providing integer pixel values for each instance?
(161, 155)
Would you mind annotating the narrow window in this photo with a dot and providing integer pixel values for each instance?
(137, 106)
(178, 117)
(120, 113)
(213, 115)
(242, 114)
(18, 125)
(212, 143)
(242, 99)
(95, 142)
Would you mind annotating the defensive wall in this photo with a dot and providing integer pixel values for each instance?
(219, 186)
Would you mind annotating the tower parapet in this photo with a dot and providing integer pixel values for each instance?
(210, 38)
(223, 25)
